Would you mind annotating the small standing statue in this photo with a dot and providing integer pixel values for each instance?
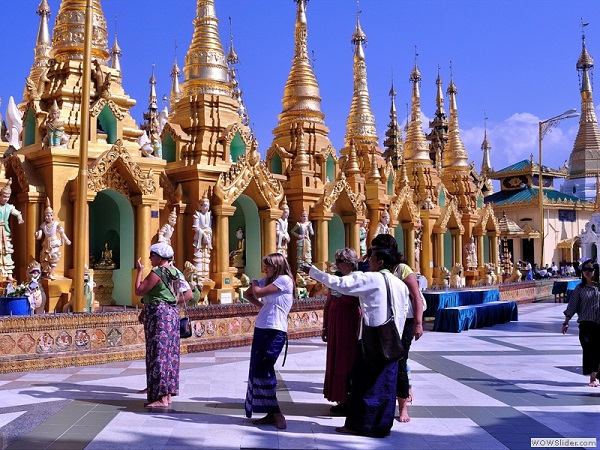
(202, 226)
(88, 289)
(166, 231)
(281, 230)
(237, 257)
(303, 230)
(471, 252)
(36, 295)
(6, 248)
(54, 235)
(362, 236)
(383, 227)
(55, 129)
(418, 244)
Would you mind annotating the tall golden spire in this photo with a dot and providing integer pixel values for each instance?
(585, 156)
(301, 97)
(351, 167)
(42, 48)
(455, 154)
(393, 142)
(175, 89)
(416, 148)
(360, 125)
(486, 165)
(67, 39)
(115, 53)
(205, 66)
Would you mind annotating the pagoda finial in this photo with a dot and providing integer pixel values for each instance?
(232, 60)
(416, 147)
(486, 165)
(115, 52)
(455, 154)
(360, 125)
(205, 66)
(176, 93)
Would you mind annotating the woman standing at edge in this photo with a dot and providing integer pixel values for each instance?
(274, 295)
(161, 323)
(584, 301)
(413, 327)
(341, 324)
(373, 393)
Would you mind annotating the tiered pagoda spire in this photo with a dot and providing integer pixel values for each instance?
(42, 44)
(486, 164)
(585, 156)
(205, 66)
(416, 149)
(439, 127)
(68, 39)
(115, 55)
(360, 125)
(455, 155)
(394, 147)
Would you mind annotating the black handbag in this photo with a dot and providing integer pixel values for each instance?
(382, 344)
(185, 324)
(185, 327)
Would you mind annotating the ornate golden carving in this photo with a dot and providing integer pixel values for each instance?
(341, 185)
(103, 174)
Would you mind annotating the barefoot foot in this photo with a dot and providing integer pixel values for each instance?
(265, 420)
(403, 410)
(162, 403)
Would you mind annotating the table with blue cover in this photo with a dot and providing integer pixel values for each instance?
(562, 288)
(438, 300)
(457, 319)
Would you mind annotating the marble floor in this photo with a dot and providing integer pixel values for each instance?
(492, 388)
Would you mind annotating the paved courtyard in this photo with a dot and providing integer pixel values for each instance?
(491, 388)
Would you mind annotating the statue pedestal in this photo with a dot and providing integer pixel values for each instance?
(471, 277)
(58, 292)
(104, 287)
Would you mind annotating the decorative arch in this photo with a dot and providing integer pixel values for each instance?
(450, 215)
(332, 193)
(487, 221)
(249, 168)
(115, 169)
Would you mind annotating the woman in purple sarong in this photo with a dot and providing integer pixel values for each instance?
(341, 325)
(274, 295)
(161, 290)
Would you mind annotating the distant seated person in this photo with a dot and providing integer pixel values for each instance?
(554, 269)
(540, 273)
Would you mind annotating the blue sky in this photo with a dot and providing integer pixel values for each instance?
(513, 59)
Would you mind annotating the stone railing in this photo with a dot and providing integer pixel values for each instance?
(61, 340)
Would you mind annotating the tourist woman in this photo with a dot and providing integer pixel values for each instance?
(273, 294)
(341, 324)
(584, 302)
(373, 392)
(413, 326)
(161, 290)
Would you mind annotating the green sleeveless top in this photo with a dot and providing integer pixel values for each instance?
(160, 292)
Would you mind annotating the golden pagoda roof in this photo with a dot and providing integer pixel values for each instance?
(68, 32)
(455, 155)
(416, 148)
(301, 96)
(205, 66)
(360, 125)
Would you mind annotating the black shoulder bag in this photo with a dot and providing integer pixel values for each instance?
(382, 344)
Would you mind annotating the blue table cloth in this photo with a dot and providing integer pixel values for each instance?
(448, 299)
(562, 286)
(482, 315)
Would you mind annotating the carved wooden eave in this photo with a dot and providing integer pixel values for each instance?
(170, 189)
(404, 200)
(450, 211)
(233, 129)
(487, 221)
(247, 169)
(176, 133)
(333, 190)
(99, 105)
(530, 233)
(115, 169)
(568, 243)
(327, 152)
(279, 150)
(25, 175)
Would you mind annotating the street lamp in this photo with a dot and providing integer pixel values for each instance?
(544, 127)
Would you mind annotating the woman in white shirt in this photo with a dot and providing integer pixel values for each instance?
(274, 295)
(373, 392)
